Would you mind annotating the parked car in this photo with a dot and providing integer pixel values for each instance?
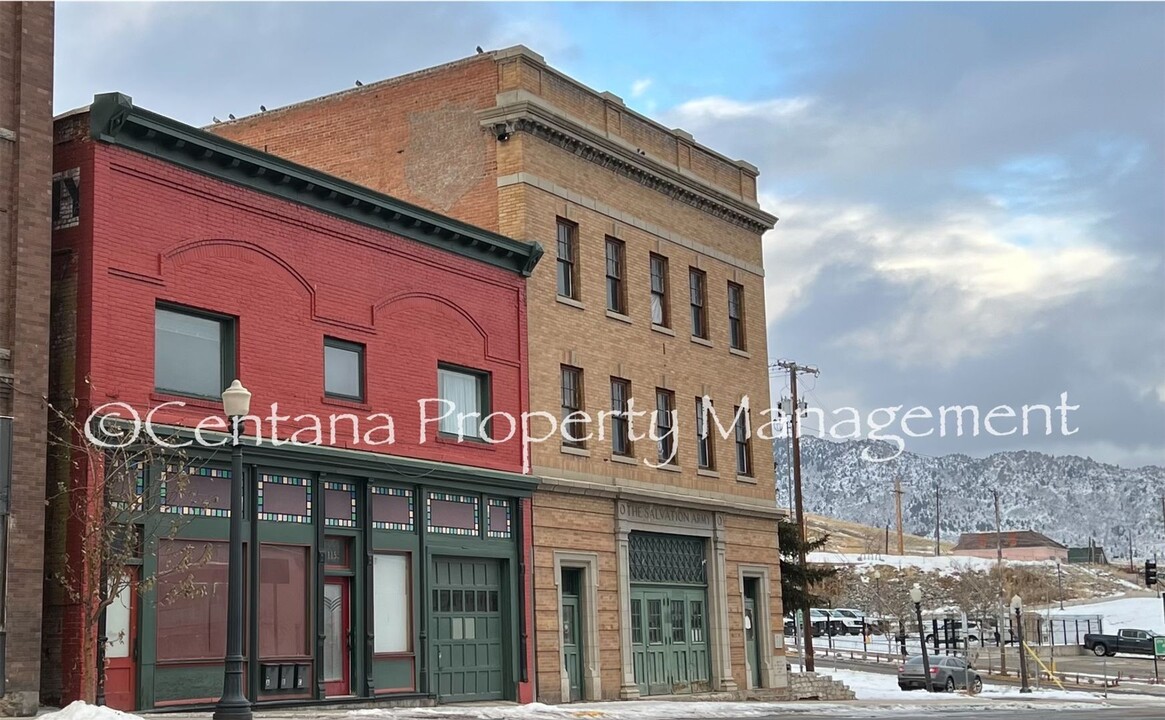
(947, 673)
(850, 618)
(956, 626)
(827, 621)
(1139, 642)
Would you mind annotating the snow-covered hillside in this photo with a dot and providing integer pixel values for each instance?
(1069, 499)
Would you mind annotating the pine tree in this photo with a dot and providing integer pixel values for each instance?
(795, 585)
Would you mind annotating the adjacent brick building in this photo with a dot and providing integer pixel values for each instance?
(26, 96)
(397, 571)
(647, 581)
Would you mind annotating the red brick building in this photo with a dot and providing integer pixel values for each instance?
(26, 116)
(374, 569)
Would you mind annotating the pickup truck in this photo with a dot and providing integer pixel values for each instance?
(1139, 642)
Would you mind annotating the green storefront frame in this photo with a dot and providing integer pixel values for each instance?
(371, 674)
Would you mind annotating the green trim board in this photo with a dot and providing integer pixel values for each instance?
(114, 119)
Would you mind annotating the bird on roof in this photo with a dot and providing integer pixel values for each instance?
(215, 119)
(359, 84)
(262, 108)
(232, 117)
(479, 50)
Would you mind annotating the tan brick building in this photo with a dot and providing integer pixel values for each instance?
(646, 581)
(26, 182)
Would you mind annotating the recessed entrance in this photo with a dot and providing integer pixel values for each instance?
(572, 642)
(669, 613)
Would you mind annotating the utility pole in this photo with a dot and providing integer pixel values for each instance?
(887, 538)
(795, 369)
(898, 511)
(936, 520)
(1163, 508)
(1002, 595)
(1131, 568)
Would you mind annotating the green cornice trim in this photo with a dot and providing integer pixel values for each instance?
(114, 119)
(323, 458)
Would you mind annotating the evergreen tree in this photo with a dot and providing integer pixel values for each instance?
(796, 585)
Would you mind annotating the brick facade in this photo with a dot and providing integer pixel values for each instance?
(289, 275)
(26, 84)
(549, 148)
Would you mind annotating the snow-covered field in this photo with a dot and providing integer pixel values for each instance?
(1138, 613)
(942, 564)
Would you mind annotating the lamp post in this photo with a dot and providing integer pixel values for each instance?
(916, 598)
(1017, 607)
(233, 705)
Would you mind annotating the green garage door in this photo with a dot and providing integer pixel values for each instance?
(467, 643)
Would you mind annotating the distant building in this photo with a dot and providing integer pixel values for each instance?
(1017, 545)
(1087, 555)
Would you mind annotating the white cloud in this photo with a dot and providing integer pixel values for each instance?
(639, 87)
(716, 108)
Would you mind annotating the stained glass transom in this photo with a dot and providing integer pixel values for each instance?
(204, 491)
(673, 559)
(284, 498)
(499, 519)
(453, 514)
(339, 504)
(393, 509)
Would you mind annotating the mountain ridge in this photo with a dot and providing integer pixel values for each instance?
(1069, 498)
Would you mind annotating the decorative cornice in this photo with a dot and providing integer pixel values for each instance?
(532, 116)
(114, 119)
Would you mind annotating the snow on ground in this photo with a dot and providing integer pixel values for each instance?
(82, 711)
(942, 564)
(1139, 613)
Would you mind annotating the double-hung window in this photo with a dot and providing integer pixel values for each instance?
(743, 442)
(620, 419)
(468, 391)
(665, 402)
(616, 287)
(660, 312)
(567, 259)
(573, 426)
(697, 292)
(705, 448)
(736, 316)
(194, 351)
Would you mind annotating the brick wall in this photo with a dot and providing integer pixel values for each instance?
(290, 275)
(415, 137)
(26, 82)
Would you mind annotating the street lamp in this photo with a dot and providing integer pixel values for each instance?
(916, 598)
(233, 705)
(1017, 607)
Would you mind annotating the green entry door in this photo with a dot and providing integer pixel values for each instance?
(571, 656)
(669, 640)
(468, 648)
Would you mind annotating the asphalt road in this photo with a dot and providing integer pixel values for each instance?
(1051, 713)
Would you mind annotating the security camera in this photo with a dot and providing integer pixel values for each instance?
(502, 131)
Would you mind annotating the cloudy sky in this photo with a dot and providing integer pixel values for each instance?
(972, 197)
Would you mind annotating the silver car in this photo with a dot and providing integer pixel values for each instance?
(946, 673)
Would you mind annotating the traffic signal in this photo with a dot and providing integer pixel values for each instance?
(1150, 573)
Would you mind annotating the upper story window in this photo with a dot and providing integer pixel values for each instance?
(469, 392)
(343, 369)
(736, 316)
(616, 287)
(620, 420)
(705, 448)
(572, 402)
(567, 259)
(743, 442)
(697, 291)
(660, 311)
(665, 405)
(194, 351)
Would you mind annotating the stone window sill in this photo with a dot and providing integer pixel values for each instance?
(704, 472)
(740, 353)
(671, 468)
(570, 301)
(581, 452)
(619, 316)
(701, 341)
(662, 329)
(625, 459)
(746, 479)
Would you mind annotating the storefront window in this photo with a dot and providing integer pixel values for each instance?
(282, 601)
(192, 600)
(391, 606)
